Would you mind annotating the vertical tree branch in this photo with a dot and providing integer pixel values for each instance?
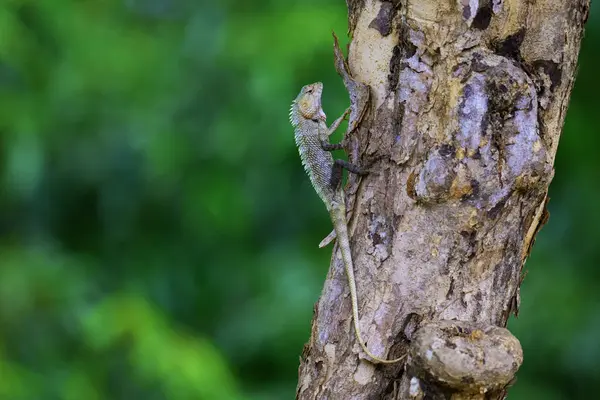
(467, 103)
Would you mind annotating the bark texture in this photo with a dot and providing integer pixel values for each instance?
(465, 102)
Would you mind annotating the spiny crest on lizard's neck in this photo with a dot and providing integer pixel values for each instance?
(307, 104)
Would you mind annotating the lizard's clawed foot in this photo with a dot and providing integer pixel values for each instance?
(347, 112)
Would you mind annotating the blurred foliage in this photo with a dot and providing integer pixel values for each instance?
(158, 236)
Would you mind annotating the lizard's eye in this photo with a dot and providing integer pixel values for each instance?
(309, 90)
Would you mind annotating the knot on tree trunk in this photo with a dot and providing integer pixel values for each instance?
(464, 360)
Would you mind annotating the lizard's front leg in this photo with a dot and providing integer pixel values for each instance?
(334, 146)
(337, 122)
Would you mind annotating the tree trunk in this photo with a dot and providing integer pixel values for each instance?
(457, 108)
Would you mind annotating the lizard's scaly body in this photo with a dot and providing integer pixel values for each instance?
(312, 138)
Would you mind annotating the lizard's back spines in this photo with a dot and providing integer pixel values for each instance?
(294, 114)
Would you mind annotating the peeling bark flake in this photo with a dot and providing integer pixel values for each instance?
(383, 21)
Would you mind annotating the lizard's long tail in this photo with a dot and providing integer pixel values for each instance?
(341, 228)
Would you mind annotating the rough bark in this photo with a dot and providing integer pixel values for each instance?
(467, 100)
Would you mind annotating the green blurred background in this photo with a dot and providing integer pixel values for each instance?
(158, 235)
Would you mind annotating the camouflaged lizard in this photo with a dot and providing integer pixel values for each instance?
(312, 138)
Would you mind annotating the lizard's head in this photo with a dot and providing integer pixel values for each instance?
(309, 102)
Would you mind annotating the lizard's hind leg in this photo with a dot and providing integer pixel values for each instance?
(355, 169)
(331, 146)
(337, 172)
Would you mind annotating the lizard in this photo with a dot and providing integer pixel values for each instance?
(312, 139)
